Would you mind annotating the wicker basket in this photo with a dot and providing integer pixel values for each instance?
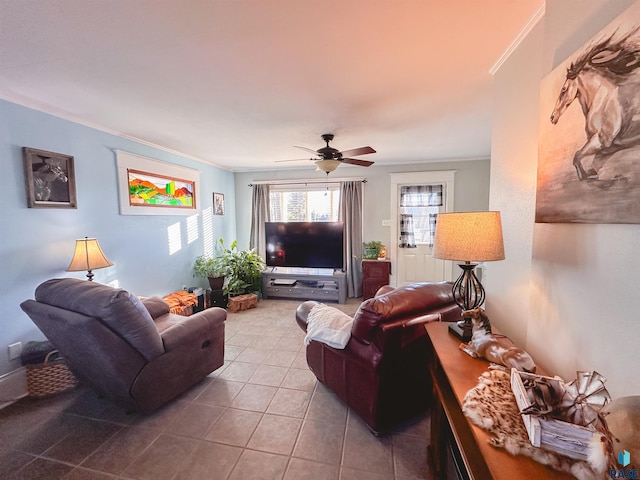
(50, 377)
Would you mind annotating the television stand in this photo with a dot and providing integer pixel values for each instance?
(323, 284)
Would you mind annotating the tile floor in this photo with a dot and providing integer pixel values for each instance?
(262, 415)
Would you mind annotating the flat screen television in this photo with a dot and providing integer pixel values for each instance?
(305, 244)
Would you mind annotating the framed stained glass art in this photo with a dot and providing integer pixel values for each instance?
(150, 187)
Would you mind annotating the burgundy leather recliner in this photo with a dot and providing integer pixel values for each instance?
(133, 352)
(382, 374)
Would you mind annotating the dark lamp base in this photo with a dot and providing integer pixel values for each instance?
(462, 330)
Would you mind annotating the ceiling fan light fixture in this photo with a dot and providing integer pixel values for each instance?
(327, 166)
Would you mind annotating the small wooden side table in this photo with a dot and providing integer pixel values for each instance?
(375, 274)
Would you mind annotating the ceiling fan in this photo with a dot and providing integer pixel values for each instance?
(330, 158)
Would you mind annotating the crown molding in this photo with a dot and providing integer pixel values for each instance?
(533, 21)
(33, 105)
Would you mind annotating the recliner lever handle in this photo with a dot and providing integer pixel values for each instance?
(428, 318)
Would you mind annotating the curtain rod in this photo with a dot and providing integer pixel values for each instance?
(307, 182)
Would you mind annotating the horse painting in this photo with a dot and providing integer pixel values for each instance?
(589, 130)
(604, 80)
(44, 176)
(49, 178)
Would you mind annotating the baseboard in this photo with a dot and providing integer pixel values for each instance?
(13, 387)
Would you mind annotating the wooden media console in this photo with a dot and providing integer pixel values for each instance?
(323, 284)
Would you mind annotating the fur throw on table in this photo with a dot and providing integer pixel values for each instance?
(491, 405)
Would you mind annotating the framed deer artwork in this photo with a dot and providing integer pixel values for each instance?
(589, 136)
(50, 179)
(218, 203)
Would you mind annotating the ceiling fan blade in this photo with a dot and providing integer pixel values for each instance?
(307, 149)
(358, 151)
(354, 161)
(298, 160)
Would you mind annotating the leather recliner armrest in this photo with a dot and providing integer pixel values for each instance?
(302, 313)
(383, 290)
(362, 353)
(190, 328)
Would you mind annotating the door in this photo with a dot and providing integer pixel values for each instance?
(418, 264)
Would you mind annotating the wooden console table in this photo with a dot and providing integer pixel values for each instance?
(458, 449)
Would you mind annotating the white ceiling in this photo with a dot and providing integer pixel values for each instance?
(238, 83)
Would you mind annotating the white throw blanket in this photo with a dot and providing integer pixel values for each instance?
(328, 325)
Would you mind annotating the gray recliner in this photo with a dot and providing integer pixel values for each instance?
(132, 351)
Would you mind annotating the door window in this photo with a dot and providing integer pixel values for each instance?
(419, 208)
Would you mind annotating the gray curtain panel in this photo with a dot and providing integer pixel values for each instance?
(260, 206)
(351, 215)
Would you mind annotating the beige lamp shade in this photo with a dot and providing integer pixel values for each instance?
(469, 237)
(327, 166)
(88, 256)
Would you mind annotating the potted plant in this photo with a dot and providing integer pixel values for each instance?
(211, 268)
(243, 269)
(371, 250)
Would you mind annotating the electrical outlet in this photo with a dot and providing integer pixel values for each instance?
(15, 350)
(386, 223)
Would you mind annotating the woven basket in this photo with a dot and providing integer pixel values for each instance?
(50, 377)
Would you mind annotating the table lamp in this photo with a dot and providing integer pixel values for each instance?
(468, 237)
(88, 256)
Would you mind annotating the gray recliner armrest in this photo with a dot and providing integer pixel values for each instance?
(180, 330)
(156, 306)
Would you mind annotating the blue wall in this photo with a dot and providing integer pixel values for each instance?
(37, 244)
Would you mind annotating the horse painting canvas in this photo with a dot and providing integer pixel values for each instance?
(49, 178)
(589, 150)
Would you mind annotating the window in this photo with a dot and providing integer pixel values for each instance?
(309, 203)
(421, 205)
